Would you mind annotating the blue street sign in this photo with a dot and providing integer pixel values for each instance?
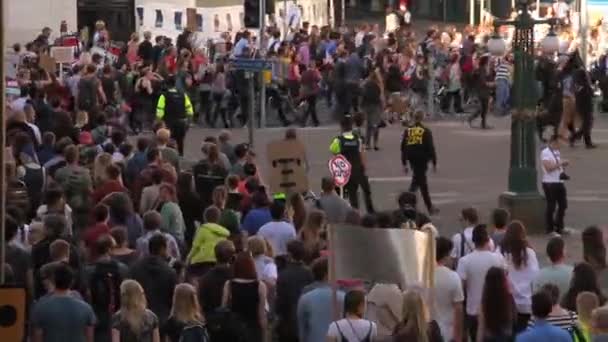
(247, 64)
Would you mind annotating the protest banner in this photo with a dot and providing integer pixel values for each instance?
(63, 54)
(48, 63)
(287, 159)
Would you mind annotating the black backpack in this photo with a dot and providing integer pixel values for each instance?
(225, 325)
(194, 333)
(87, 94)
(105, 291)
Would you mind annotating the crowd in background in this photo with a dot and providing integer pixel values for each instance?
(116, 239)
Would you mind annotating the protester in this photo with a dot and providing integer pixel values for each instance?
(185, 315)
(211, 285)
(448, 310)
(522, 268)
(156, 277)
(586, 302)
(559, 316)
(278, 232)
(416, 324)
(60, 317)
(293, 277)
(497, 318)
(134, 322)
(542, 330)
(594, 253)
(472, 269)
(353, 327)
(207, 236)
(583, 280)
(246, 296)
(558, 272)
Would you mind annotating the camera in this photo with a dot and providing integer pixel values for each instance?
(564, 176)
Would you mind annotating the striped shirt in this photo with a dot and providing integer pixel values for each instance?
(503, 72)
(564, 321)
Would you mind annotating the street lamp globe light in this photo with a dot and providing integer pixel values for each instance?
(497, 46)
(550, 44)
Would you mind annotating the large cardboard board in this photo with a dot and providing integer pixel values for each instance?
(407, 255)
(63, 54)
(287, 160)
(12, 304)
(191, 19)
(48, 63)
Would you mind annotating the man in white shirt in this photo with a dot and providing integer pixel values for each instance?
(448, 297)
(392, 21)
(242, 46)
(472, 269)
(278, 232)
(469, 218)
(553, 185)
(363, 30)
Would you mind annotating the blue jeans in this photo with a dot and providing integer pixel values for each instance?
(503, 94)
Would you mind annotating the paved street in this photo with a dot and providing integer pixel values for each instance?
(473, 169)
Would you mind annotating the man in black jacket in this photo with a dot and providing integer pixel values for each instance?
(211, 285)
(156, 277)
(418, 149)
(292, 279)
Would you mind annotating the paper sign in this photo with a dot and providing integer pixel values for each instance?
(63, 54)
(287, 159)
(191, 19)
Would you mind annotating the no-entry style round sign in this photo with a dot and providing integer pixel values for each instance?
(340, 170)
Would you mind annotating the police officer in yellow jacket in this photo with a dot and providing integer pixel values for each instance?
(350, 146)
(175, 109)
(418, 149)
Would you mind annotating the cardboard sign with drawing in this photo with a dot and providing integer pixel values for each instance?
(287, 160)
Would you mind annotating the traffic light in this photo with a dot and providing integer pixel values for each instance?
(252, 13)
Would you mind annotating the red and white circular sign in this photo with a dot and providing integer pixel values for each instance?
(340, 169)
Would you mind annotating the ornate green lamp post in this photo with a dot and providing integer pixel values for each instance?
(523, 199)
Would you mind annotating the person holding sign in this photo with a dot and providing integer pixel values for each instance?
(350, 146)
(418, 149)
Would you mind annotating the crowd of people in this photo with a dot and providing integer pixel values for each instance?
(115, 239)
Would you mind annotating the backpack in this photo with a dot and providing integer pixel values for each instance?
(105, 291)
(77, 190)
(194, 333)
(225, 325)
(86, 94)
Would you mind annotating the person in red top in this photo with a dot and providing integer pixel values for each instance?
(112, 184)
(101, 214)
(171, 61)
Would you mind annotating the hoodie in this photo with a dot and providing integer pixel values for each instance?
(158, 280)
(205, 239)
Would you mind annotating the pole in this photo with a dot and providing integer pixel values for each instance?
(472, 12)
(343, 14)
(537, 8)
(481, 10)
(250, 123)
(285, 27)
(431, 87)
(263, 53)
(2, 151)
(584, 30)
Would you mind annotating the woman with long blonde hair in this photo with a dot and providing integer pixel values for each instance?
(134, 322)
(416, 324)
(185, 312)
(102, 161)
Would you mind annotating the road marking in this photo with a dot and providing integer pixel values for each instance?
(484, 133)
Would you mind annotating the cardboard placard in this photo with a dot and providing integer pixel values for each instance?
(63, 54)
(48, 63)
(409, 255)
(287, 159)
(191, 19)
(12, 314)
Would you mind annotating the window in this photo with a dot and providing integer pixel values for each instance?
(216, 23)
(242, 19)
(140, 15)
(178, 21)
(229, 22)
(199, 22)
(159, 19)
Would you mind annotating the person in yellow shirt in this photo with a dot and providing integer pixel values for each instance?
(175, 109)
(202, 255)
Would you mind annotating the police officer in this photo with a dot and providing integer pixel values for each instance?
(350, 146)
(418, 149)
(174, 107)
